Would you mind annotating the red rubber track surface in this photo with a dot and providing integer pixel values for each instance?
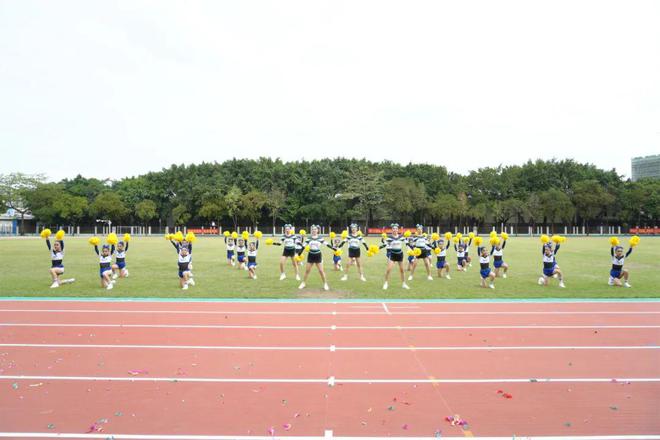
(175, 405)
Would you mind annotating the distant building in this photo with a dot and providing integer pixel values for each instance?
(643, 167)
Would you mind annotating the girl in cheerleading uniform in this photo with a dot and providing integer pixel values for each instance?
(420, 242)
(396, 244)
(184, 259)
(119, 268)
(550, 266)
(300, 247)
(617, 272)
(337, 243)
(441, 263)
(468, 259)
(354, 241)
(241, 248)
(484, 268)
(253, 247)
(288, 241)
(231, 248)
(314, 243)
(498, 258)
(105, 265)
(460, 257)
(57, 262)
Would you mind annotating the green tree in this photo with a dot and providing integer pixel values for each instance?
(233, 204)
(180, 215)
(108, 206)
(556, 206)
(590, 199)
(253, 203)
(274, 203)
(145, 211)
(15, 189)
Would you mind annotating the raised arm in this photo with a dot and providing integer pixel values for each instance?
(503, 243)
(48, 243)
(175, 244)
(366, 247)
(96, 249)
(612, 251)
(556, 248)
(126, 247)
(629, 251)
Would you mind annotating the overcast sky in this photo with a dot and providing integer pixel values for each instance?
(110, 89)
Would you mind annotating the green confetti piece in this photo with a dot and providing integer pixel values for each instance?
(50, 426)
(390, 408)
(614, 408)
(14, 385)
(119, 414)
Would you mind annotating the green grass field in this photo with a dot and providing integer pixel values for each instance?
(153, 273)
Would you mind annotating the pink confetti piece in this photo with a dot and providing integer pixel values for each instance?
(271, 431)
(287, 426)
(405, 426)
(296, 415)
(95, 428)
(137, 372)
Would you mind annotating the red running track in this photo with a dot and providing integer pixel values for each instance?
(355, 369)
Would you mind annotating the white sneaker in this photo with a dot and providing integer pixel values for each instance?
(344, 278)
(255, 276)
(114, 276)
(541, 281)
(410, 277)
(282, 276)
(503, 275)
(430, 278)
(297, 277)
(492, 286)
(610, 282)
(326, 287)
(68, 281)
(302, 285)
(54, 285)
(185, 287)
(561, 284)
(448, 277)
(405, 286)
(385, 285)
(362, 278)
(126, 274)
(470, 264)
(626, 284)
(110, 286)
(191, 282)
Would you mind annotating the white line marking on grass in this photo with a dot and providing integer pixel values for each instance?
(386, 309)
(335, 327)
(278, 312)
(327, 380)
(328, 434)
(346, 348)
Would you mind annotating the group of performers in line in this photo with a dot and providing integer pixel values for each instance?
(419, 247)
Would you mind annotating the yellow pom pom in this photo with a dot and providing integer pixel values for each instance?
(493, 234)
(556, 238)
(436, 251)
(59, 235)
(45, 233)
(411, 253)
(234, 235)
(344, 234)
(338, 253)
(190, 237)
(374, 249)
(435, 236)
(384, 235)
(245, 235)
(370, 254)
(258, 234)
(634, 241)
(471, 235)
(127, 237)
(302, 232)
(466, 240)
(269, 241)
(478, 241)
(448, 236)
(332, 235)
(307, 248)
(459, 235)
(168, 236)
(359, 233)
(544, 239)
(112, 238)
(226, 233)
(614, 241)
(417, 252)
(505, 236)
(407, 234)
(178, 236)
(456, 239)
(494, 241)
(94, 241)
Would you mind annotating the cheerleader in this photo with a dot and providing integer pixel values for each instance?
(460, 257)
(184, 259)
(241, 248)
(230, 244)
(484, 271)
(498, 258)
(105, 265)
(290, 243)
(467, 257)
(300, 248)
(550, 267)
(337, 243)
(441, 253)
(617, 272)
(56, 252)
(420, 242)
(395, 243)
(119, 268)
(314, 243)
(253, 247)
(181, 244)
(354, 240)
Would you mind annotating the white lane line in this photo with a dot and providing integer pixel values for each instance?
(335, 327)
(328, 434)
(278, 312)
(386, 309)
(335, 380)
(346, 348)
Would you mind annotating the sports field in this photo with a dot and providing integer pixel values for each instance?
(153, 273)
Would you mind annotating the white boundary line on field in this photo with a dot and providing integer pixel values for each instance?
(327, 435)
(332, 379)
(334, 327)
(335, 348)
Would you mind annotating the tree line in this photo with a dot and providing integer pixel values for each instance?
(339, 191)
